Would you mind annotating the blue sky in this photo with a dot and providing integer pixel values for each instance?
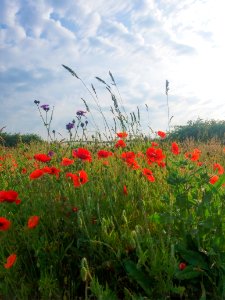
(142, 42)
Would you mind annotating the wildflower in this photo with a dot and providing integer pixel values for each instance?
(78, 179)
(194, 155)
(36, 102)
(154, 144)
(122, 134)
(4, 224)
(219, 168)
(66, 161)
(50, 153)
(214, 179)
(175, 149)
(83, 154)
(24, 171)
(51, 170)
(75, 209)
(148, 174)
(33, 222)
(129, 158)
(69, 126)
(154, 155)
(125, 190)
(120, 144)
(182, 266)
(104, 153)
(81, 113)
(42, 157)
(36, 174)
(45, 107)
(10, 261)
(9, 196)
(162, 134)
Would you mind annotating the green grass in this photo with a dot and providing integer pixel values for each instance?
(97, 242)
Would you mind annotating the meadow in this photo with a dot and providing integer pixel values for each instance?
(134, 218)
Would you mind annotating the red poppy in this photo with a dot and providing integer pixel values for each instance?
(78, 179)
(148, 174)
(10, 261)
(104, 153)
(66, 161)
(162, 134)
(154, 155)
(9, 196)
(125, 190)
(24, 171)
(51, 170)
(175, 149)
(4, 224)
(219, 168)
(33, 222)
(154, 144)
(36, 174)
(129, 158)
(214, 179)
(122, 135)
(182, 266)
(194, 155)
(42, 157)
(75, 209)
(82, 153)
(120, 144)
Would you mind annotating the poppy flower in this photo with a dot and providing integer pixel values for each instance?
(104, 153)
(33, 222)
(66, 161)
(4, 224)
(154, 144)
(51, 171)
(78, 179)
(194, 155)
(36, 174)
(182, 266)
(10, 261)
(162, 134)
(219, 168)
(129, 158)
(175, 149)
(82, 153)
(125, 190)
(154, 155)
(214, 179)
(9, 196)
(122, 135)
(120, 144)
(42, 157)
(148, 174)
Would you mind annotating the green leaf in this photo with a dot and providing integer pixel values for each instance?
(194, 258)
(188, 273)
(140, 277)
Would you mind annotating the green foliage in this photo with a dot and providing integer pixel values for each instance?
(12, 140)
(199, 130)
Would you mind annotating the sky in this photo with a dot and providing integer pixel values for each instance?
(142, 43)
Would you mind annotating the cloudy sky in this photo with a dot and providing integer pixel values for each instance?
(142, 42)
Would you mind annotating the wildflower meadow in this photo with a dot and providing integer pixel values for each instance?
(125, 217)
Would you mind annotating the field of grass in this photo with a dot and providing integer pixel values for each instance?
(134, 219)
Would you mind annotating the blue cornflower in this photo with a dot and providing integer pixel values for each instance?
(45, 107)
(81, 113)
(69, 126)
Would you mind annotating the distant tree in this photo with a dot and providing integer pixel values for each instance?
(11, 140)
(199, 130)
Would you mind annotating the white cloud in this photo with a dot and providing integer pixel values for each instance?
(142, 43)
